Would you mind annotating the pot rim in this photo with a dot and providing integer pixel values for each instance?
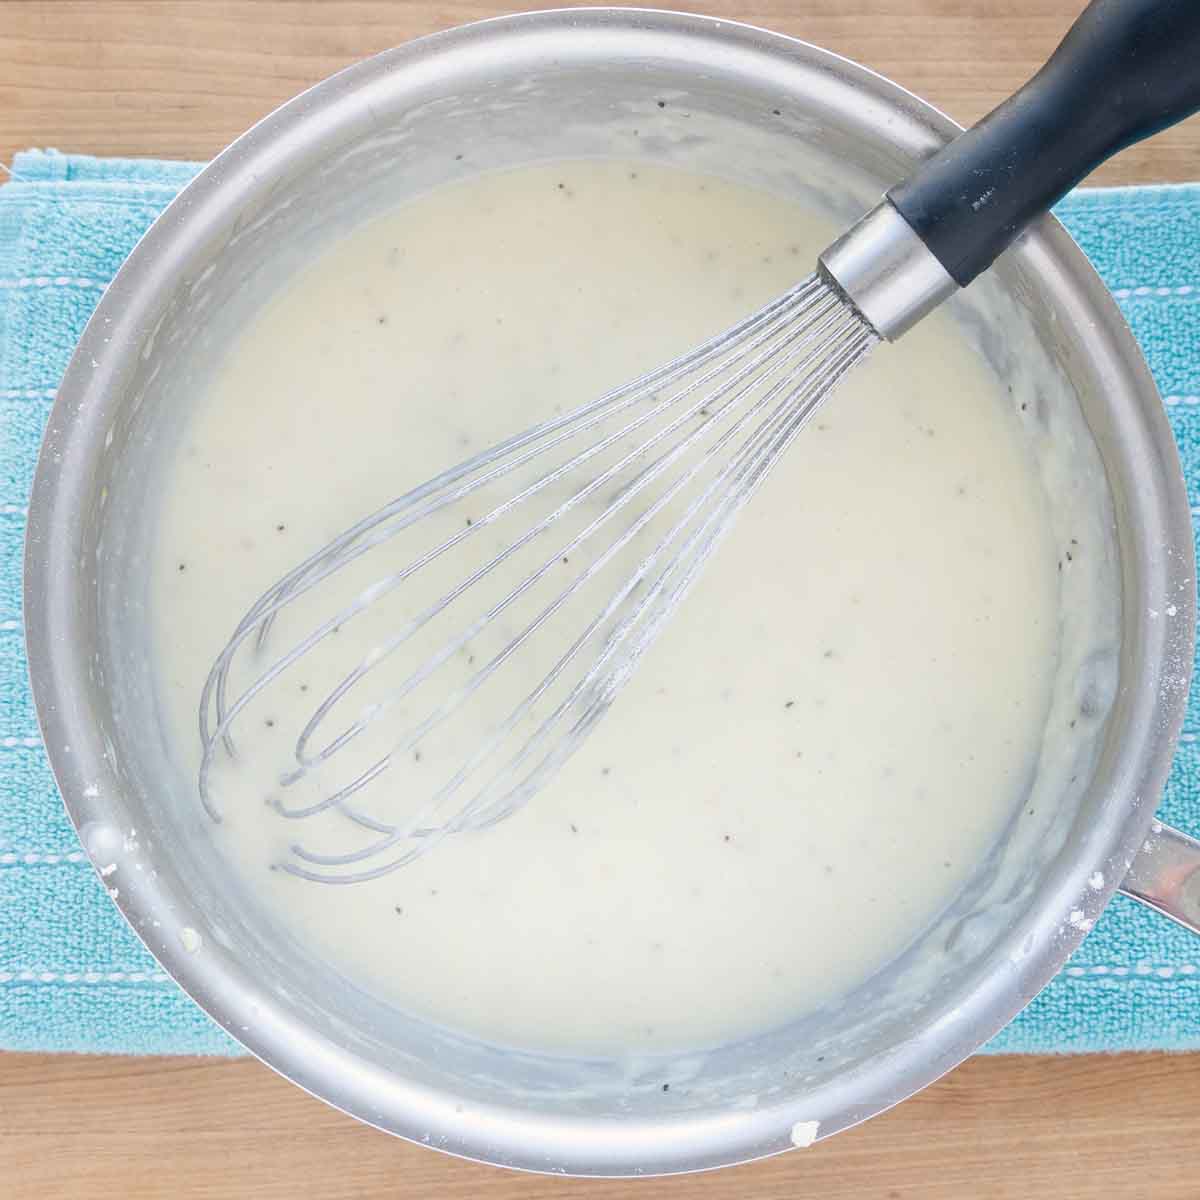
(511, 1136)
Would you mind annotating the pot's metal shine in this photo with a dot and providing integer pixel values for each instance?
(86, 535)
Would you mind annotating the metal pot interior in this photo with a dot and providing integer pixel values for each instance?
(742, 104)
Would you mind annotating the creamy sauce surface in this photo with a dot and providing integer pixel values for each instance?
(826, 740)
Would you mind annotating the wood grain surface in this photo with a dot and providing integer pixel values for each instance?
(1119, 1127)
(180, 80)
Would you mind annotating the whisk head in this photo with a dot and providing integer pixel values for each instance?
(458, 644)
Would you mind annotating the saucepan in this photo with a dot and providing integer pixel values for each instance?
(739, 102)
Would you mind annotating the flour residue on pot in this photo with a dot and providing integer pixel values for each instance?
(828, 738)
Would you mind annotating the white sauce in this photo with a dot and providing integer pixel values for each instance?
(815, 756)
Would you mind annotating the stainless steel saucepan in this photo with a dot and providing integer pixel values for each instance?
(743, 103)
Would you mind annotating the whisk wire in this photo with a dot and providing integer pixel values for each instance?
(754, 385)
(353, 543)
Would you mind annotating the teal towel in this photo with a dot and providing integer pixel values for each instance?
(72, 975)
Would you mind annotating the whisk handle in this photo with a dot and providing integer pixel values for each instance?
(1126, 70)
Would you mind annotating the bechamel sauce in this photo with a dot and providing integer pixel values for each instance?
(819, 750)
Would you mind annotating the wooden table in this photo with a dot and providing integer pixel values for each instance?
(180, 80)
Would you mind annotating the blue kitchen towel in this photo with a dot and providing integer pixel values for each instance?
(73, 976)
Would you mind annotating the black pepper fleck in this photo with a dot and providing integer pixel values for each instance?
(666, 1087)
(789, 703)
(183, 566)
(662, 104)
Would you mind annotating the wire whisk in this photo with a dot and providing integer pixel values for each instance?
(631, 492)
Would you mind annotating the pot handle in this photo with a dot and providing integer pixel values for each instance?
(1165, 876)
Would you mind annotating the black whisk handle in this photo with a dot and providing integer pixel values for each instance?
(1126, 69)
